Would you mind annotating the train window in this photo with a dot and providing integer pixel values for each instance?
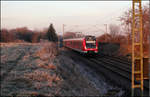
(90, 41)
(90, 38)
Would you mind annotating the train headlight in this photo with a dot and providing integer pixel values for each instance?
(96, 51)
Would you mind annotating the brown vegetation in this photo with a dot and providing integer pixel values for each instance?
(20, 35)
(125, 40)
(126, 20)
(23, 34)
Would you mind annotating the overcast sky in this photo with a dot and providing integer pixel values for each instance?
(83, 14)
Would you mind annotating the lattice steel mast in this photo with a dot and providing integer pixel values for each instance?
(137, 46)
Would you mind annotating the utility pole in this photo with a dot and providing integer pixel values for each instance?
(106, 28)
(63, 30)
(58, 43)
(106, 31)
(63, 26)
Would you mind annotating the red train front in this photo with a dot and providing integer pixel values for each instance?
(88, 44)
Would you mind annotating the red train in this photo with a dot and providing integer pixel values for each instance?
(88, 44)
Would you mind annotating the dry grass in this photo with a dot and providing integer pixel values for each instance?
(47, 51)
(3, 59)
(12, 44)
(30, 94)
(49, 66)
(39, 75)
(26, 57)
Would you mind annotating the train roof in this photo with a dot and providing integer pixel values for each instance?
(74, 39)
(79, 38)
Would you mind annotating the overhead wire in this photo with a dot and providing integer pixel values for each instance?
(80, 28)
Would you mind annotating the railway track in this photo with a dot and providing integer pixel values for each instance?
(126, 66)
(120, 60)
(122, 69)
(117, 70)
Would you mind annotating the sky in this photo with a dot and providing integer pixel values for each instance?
(84, 16)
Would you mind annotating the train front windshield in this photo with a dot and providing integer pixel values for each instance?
(90, 42)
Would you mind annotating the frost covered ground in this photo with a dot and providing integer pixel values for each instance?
(28, 69)
(80, 72)
(39, 69)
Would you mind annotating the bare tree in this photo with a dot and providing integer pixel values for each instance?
(126, 20)
(35, 37)
(4, 35)
(114, 32)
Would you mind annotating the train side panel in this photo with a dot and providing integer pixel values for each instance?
(74, 44)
